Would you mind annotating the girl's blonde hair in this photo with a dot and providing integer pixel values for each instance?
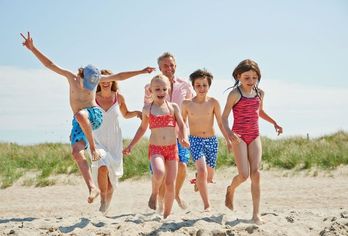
(159, 77)
(114, 86)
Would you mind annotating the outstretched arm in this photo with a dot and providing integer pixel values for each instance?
(29, 44)
(266, 117)
(124, 110)
(126, 75)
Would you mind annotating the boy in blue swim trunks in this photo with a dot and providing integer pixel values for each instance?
(200, 112)
(87, 116)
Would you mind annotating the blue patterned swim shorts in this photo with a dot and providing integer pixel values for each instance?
(184, 153)
(204, 147)
(95, 116)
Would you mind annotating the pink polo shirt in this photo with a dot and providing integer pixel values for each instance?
(181, 90)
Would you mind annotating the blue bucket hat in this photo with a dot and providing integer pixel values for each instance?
(91, 77)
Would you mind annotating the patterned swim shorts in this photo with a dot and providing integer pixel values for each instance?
(95, 116)
(169, 152)
(204, 147)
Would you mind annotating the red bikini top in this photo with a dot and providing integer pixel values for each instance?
(161, 121)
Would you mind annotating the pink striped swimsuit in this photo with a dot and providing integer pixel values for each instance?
(246, 117)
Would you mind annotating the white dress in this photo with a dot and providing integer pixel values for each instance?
(108, 139)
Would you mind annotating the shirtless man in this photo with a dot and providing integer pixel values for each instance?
(200, 112)
(87, 116)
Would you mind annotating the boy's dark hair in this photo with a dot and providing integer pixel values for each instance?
(201, 74)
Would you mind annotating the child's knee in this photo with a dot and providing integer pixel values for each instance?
(170, 186)
(77, 151)
(255, 175)
(81, 116)
(244, 176)
(202, 173)
(158, 174)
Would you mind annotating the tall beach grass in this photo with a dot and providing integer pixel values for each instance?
(49, 159)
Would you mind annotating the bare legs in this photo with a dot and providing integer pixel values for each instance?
(182, 169)
(78, 152)
(248, 159)
(255, 153)
(163, 171)
(202, 182)
(106, 189)
(82, 118)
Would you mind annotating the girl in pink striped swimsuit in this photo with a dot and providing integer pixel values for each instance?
(246, 102)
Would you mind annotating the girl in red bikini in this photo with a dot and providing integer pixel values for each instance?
(162, 117)
(246, 102)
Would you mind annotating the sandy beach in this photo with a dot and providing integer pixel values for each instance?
(292, 203)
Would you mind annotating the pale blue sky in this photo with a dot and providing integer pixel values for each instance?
(300, 47)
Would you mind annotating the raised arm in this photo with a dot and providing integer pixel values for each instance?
(126, 75)
(29, 44)
(139, 134)
(217, 113)
(124, 110)
(266, 117)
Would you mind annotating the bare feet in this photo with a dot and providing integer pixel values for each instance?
(160, 206)
(181, 203)
(105, 204)
(152, 201)
(104, 207)
(229, 198)
(257, 220)
(93, 194)
(207, 209)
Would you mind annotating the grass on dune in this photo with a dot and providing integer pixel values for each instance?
(326, 152)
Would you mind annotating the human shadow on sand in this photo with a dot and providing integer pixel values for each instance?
(238, 221)
(27, 219)
(173, 226)
(138, 218)
(67, 229)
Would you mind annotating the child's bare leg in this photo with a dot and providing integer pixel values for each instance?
(85, 124)
(254, 150)
(103, 186)
(179, 183)
(201, 181)
(78, 152)
(211, 173)
(161, 197)
(158, 173)
(171, 172)
(241, 158)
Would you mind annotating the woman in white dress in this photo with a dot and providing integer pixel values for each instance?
(108, 139)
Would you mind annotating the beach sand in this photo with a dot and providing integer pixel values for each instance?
(292, 203)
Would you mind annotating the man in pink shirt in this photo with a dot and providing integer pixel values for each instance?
(180, 90)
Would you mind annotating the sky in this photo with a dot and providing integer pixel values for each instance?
(300, 46)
